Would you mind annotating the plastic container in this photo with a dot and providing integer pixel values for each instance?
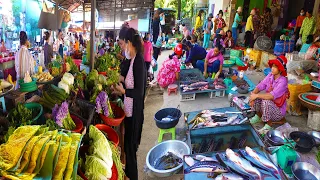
(79, 124)
(242, 68)
(119, 116)
(39, 119)
(267, 71)
(112, 135)
(103, 73)
(28, 87)
(163, 113)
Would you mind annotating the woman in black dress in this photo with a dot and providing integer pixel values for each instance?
(134, 91)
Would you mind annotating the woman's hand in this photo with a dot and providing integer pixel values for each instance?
(119, 87)
(119, 56)
(253, 97)
(205, 74)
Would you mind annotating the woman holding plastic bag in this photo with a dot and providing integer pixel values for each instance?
(270, 106)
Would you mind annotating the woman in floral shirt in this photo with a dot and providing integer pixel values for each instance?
(308, 27)
(266, 22)
(170, 69)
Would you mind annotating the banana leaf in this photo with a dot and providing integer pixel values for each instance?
(76, 138)
(76, 161)
(62, 157)
(11, 152)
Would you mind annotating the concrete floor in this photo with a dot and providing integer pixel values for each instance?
(157, 99)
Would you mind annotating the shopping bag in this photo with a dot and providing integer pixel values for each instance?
(154, 64)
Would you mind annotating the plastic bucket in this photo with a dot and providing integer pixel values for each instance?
(119, 116)
(28, 87)
(174, 112)
(112, 135)
(39, 118)
(78, 122)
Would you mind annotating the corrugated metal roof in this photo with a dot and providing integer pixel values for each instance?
(69, 5)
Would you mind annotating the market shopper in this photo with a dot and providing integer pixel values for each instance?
(229, 41)
(271, 105)
(237, 24)
(213, 63)
(308, 27)
(199, 22)
(299, 22)
(59, 43)
(207, 27)
(249, 30)
(220, 22)
(24, 61)
(266, 22)
(185, 31)
(170, 69)
(147, 45)
(196, 53)
(125, 63)
(102, 49)
(134, 91)
(47, 49)
(156, 34)
(256, 23)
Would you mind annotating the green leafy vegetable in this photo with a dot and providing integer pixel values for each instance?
(20, 116)
(52, 125)
(73, 67)
(318, 156)
(97, 168)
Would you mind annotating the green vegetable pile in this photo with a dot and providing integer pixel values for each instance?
(20, 115)
(106, 62)
(318, 156)
(73, 67)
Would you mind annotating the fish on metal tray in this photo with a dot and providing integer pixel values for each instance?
(227, 176)
(189, 160)
(168, 161)
(244, 164)
(233, 142)
(260, 160)
(210, 124)
(229, 121)
(205, 158)
(242, 140)
(234, 167)
(206, 167)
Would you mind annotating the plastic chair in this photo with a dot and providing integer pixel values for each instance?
(4, 109)
(165, 131)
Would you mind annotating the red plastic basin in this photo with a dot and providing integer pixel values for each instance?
(79, 124)
(112, 135)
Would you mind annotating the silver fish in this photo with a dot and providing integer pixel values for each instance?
(262, 160)
(206, 167)
(227, 176)
(235, 157)
(189, 161)
(205, 158)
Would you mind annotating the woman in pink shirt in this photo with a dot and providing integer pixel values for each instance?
(270, 106)
(212, 64)
(147, 51)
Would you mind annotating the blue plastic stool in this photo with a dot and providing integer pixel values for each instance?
(4, 109)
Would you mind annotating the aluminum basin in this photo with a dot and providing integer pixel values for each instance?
(303, 170)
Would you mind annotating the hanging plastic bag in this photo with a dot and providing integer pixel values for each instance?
(154, 64)
(299, 42)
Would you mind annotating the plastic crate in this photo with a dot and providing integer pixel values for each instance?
(83, 110)
(218, 93)
(188, 97)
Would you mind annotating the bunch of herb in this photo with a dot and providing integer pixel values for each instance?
(62, 116)
(113, 77)
(21, 115)
(73, 67)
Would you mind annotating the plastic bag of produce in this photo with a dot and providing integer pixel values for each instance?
(11, 151)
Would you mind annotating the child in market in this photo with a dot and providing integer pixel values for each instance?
(169, 72)
(219, 42)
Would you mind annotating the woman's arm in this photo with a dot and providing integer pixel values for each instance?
(205, 66)
(139, 74)
(265, 96)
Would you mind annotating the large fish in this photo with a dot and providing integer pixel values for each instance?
(205, 158)
(261, 161)
(206, 167)
(189, 160)
(227, 176)
(235, 157)
(235, 167)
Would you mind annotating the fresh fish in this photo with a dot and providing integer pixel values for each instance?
(217, 146)
(205, 158)
(232, 143)
(206, 167)
(227, 176)
(235, 157)
(235, 167)
(229, 121)
(210, 124)
(242, 140)
(168, 161)
(189, 161)
(262, 160)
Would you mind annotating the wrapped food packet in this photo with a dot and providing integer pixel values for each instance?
(11, 151)
(62, 157)
(76, 138)
(27, 153)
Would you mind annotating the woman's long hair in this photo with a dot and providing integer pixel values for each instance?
(133, 36)
(200, 12)
(23, 37)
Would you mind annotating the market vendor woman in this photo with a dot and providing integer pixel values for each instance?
(213, 63)
(270, 106)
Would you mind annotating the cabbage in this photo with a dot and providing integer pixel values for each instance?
(64, 86)
(97, 169)
(68, 78)
(99, 163)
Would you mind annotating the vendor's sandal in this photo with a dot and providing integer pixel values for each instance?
(256, 119)
(265, 129)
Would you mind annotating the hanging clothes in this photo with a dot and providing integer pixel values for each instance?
(24, 62)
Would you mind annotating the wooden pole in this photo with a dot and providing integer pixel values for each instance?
(92, 33)
(114, 19)
(179, 9)
(84, 17)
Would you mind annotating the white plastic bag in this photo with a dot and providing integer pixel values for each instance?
(154, 63)
(299, 42)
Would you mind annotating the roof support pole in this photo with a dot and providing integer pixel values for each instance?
(92, 33)
(84, 17)
(114, 19)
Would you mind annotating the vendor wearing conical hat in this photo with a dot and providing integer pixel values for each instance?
(270, 105)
